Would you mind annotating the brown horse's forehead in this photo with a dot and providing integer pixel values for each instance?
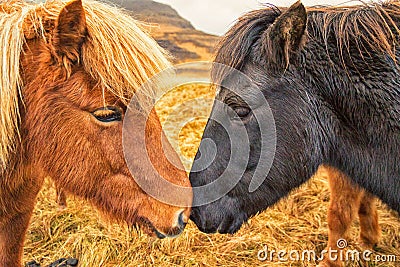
(80, 88)
(87, 93)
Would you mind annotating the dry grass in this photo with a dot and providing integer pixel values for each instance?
(297, 223)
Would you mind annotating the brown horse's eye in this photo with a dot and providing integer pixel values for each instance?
(108, 114)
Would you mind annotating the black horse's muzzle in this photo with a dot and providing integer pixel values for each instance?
(209, 220)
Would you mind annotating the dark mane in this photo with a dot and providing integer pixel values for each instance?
(235, 46)
(370, 27)
(367, 28)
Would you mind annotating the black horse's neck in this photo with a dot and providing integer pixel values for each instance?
(353, 79)
(357, 88)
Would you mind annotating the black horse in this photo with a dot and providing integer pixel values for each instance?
(331, 79)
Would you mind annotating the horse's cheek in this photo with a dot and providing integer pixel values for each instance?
(110, 142)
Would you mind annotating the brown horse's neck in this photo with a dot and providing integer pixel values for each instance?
(19, 186)
(20, 183)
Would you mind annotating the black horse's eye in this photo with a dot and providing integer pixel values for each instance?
(242, 112)
(239, 112)
(108, 114)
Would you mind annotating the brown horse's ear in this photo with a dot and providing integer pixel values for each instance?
(70, 31)
(285, 37)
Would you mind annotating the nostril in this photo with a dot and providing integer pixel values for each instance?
(198, 155)
(181, 220)
(179, 225)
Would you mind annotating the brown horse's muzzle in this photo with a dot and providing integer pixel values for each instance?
(161, 229)
(176, 230)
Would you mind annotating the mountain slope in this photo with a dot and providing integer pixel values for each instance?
(171, 31)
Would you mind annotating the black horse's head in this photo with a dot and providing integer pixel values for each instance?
(262, 45)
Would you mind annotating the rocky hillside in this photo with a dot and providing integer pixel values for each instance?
(171, 31)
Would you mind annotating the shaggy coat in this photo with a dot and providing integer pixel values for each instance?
(331, 79)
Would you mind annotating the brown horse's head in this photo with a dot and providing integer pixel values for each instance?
(79, 66)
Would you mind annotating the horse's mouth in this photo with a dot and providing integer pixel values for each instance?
(159, 235)
(149, 229)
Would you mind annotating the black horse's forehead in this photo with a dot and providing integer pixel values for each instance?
(246, 96)
(237, 82)
(236, 78)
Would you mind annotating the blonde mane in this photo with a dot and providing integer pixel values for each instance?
(116, 52)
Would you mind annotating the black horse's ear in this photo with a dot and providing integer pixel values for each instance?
(70, 31)
(285, 37)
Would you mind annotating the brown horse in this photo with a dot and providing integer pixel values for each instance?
(347, 200)
(67, 72)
